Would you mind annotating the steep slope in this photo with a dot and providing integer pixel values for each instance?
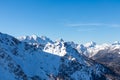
(106, 54)
(91, 49)
(59, 60)
(79, 67)
(110, 58)
(25, 62)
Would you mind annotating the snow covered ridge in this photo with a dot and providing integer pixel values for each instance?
(89, 49)
(34, 39)
(56, 60)
(94, 48)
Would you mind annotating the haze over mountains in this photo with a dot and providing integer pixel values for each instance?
(40, 58)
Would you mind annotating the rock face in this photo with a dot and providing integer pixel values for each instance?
(106, 54)
(59, 60)
(110, 59)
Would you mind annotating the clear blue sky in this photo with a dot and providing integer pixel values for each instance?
(73, 20)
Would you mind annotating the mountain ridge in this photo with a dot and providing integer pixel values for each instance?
(25, 61)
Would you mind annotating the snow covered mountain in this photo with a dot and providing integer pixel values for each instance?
(90, 49)
(59, 60)
(35, 40)
(106, 54)
(109, 56)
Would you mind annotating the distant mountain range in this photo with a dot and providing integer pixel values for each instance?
(40, 58)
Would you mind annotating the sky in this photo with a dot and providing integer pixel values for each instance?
(80, 21)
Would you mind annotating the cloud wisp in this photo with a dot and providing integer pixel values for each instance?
(93, 25)
(86, 30)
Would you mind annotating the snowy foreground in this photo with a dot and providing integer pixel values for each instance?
(39, 58)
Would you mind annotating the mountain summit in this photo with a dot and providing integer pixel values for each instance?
(35, 39)
(59, 60)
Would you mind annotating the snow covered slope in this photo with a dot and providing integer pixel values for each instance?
(35, 40)
(59, 60)
(110, 57)
(22, 61)
(91, 51)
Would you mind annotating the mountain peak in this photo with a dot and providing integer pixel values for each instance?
(90, 44)
(116, 43)
(34, 36)
(44, 37)
(35, 39)
(60, 40)
(58, 60)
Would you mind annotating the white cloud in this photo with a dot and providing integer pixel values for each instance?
(115, 25)
(84, 24)
(93, 25)
(86, 30)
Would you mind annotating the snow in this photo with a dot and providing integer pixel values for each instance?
(32, 62)
(118, 52)
(116, 43)
(81, 75)
(56, 48)
(90, 44)
(93, 50)
(47, 62)
(33, 39)
(5, 74)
